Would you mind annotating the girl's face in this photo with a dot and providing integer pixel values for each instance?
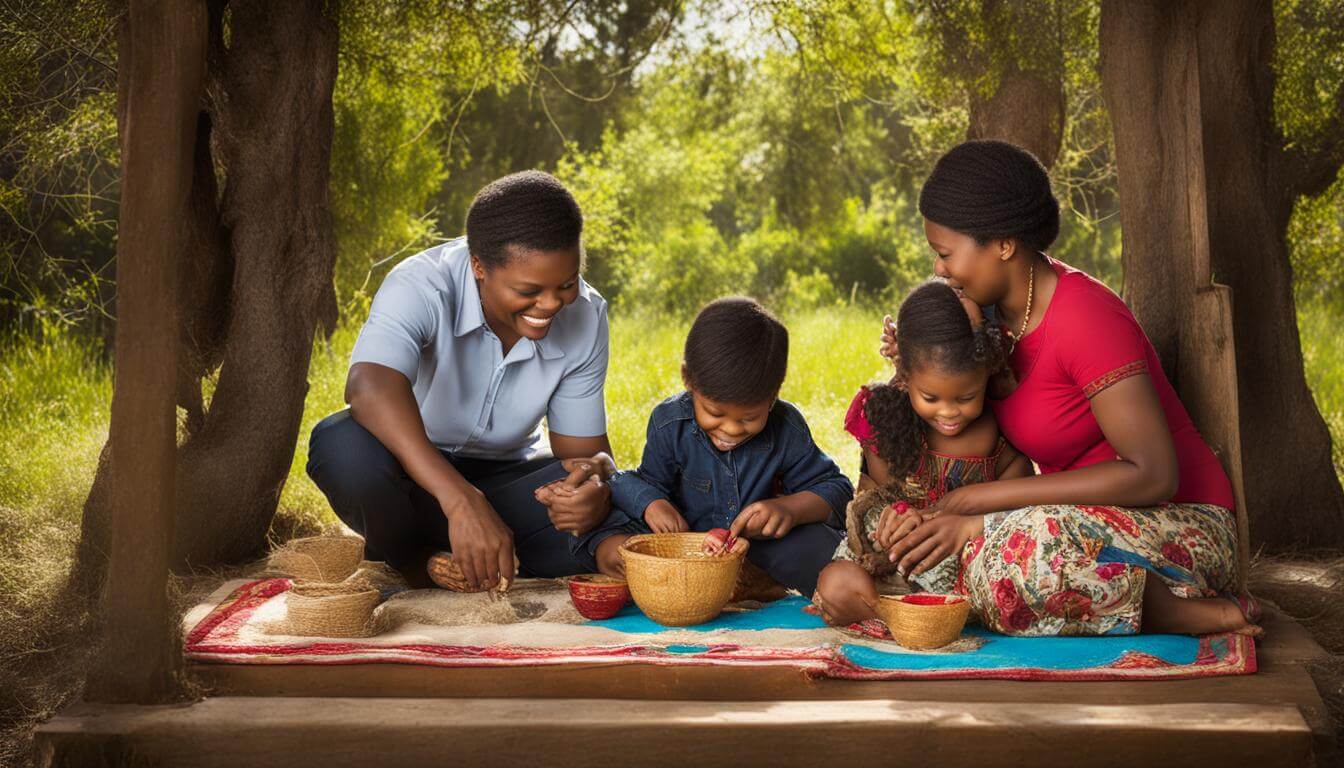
(522, 296)
(979, 271)
(947, 402)
(729, 425)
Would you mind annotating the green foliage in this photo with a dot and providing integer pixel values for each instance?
(1316, 246)
(1309, 109)
(1318, 322)
(406, 73)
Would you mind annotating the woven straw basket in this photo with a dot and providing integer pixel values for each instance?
(331, 610)
(321, 559)
(673, 582)
(924, 621)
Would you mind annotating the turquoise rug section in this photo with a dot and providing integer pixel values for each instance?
(997, 652)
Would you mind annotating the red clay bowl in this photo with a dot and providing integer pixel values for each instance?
(598, 596)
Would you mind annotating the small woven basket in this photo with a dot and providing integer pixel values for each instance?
(676, 584)
(330, 610)
(924, 621)
(321, 559)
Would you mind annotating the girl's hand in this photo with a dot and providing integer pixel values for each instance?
(762, 520)
(662, 517)
(896, 521)
(888, 346)
(934, 540)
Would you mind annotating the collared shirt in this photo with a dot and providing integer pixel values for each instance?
(708, 486)
(427, 322)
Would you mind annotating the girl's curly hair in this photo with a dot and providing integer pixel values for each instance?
(932, 329)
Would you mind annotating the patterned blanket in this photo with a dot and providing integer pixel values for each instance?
(243, 623)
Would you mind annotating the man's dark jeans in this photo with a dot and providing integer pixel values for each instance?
(371, 493)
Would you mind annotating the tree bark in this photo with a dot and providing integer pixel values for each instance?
(1027, 109)
(162, 60)
(1293, 496)
(1009, 60)
(258, 283)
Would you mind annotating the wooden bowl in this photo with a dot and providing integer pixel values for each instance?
(924, 621)
(676, 584)
(598, 596)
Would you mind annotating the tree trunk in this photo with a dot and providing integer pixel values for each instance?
(1027, 109)
(1293, 496)
(162, 61)
(1008, 58)
(258, 283)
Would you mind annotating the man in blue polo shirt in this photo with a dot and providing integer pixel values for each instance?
(468, 346)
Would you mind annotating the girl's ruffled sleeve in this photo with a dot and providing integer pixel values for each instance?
(856, 421)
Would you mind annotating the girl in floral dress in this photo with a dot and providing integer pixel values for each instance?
(923, 435)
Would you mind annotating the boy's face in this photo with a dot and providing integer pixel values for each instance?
(729, 425)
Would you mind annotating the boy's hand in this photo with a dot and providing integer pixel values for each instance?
(662, 517)
(766, 519)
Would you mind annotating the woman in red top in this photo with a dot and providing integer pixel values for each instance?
(1129, 525)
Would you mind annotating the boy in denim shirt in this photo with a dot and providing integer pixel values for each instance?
(728, 453)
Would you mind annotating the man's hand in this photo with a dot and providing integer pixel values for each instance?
(933, 540)
(768, 519)
(482, 543)
(662, 517)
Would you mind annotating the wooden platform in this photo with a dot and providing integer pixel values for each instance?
(645, 715)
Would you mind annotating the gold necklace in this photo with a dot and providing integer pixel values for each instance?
(1031, 289)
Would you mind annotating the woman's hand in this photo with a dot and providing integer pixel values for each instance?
(482, 543)
(576, 509)
(932, 541)
(600, 464)
(967, 500)
(888, 346)
(662, 517)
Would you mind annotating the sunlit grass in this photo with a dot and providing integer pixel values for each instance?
(1323, 357)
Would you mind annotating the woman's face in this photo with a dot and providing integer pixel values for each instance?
(522, 296)
(979, 271)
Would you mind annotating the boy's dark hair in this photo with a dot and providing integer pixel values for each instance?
(531, 209)
(736, 352)
(932, 329)
(991, 189)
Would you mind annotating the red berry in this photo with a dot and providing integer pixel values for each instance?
(718, 541)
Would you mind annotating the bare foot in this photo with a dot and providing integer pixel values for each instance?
(1166, 613)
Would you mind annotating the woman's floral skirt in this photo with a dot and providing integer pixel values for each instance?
(1080, 570)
